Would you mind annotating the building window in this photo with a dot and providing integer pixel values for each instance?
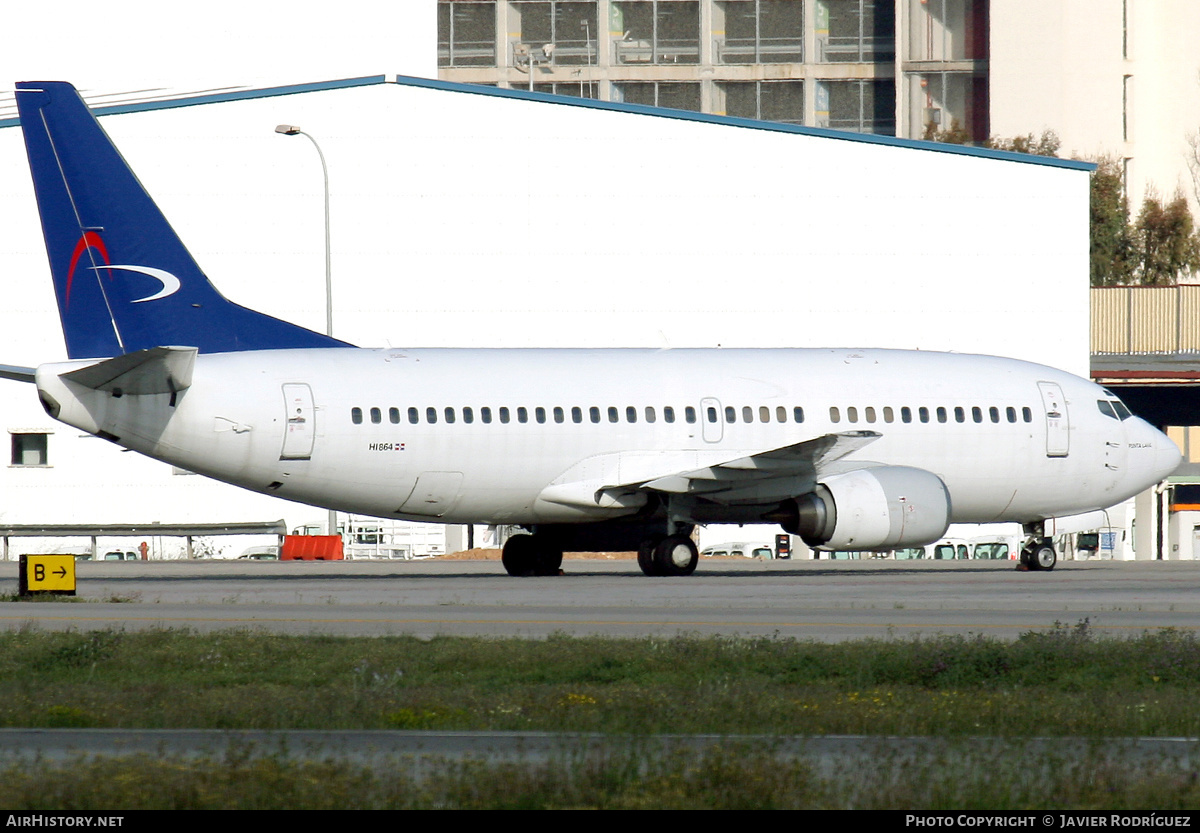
(568, 27)
(855, 31)
(677, 95)
(860, 106)
(656, 31)
(466, 33)
(781, 101)
(759, 31)
(30, 449)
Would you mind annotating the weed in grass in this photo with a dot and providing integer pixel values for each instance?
(39, 597)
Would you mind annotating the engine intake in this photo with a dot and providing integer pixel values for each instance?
(872, 509)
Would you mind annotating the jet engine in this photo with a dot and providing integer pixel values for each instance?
(871, 509)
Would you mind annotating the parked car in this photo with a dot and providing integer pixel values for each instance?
(262, 553)
(117, 555)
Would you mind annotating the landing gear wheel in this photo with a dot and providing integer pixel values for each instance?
(548, 561)
(1044, 557)
(675, 555)
(520, 555)
(1039, 556)
(646, 556)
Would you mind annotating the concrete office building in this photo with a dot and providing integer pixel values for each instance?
(1110, 77)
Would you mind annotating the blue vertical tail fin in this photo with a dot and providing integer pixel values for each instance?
(123, 278)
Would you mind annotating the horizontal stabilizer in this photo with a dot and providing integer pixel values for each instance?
(156, 370)
(17, 374)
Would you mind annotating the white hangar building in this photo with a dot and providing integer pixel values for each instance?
(474, 216)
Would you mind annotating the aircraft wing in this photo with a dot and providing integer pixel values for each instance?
(17, 374)
(623, 480)
(763, 475)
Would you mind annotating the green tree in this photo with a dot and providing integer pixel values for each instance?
(1111, 236)
(1047, 144)
(1166, 244)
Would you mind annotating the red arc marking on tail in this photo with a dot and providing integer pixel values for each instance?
(89, 240)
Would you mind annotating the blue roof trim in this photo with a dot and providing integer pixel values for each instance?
(570, 101)
(218, 98)
(752, 124)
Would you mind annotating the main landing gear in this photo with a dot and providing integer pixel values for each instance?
(531, 555)
(672, 555)
(1038, 552)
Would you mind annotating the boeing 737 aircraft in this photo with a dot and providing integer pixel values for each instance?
(586, 449)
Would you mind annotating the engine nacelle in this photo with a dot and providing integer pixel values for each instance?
(873, 509)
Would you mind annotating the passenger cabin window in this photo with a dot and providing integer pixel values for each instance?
(712, 414)
(747, 414)
(888, 415)
(449, 415)
(414, 416)
(852, 414)
(941, 414)
(923, 413)
(376, 416)
(960, 415)
(668, 414)
(1027, 414)
(977, 414)
(468, 415)
(780, 413)
(356, 416)
(431, 415)
(394, 416)
(504, 416)
(689, 415)
(539, 414)
(485, 414)
(870, 414)
(1011, 413)
(594, 413)
(798, 414)
(522, 415)
(650, 417)
(906, 414)
(612, 415)
(630, 414)
(834, 414)
(730, 414)
(994, 414)
(576, 414)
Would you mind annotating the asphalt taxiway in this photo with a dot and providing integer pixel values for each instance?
(819, 600)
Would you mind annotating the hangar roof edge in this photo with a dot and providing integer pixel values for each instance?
(569, 101)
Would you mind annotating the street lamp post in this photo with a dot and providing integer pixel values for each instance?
(293, 130)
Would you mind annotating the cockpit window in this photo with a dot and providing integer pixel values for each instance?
(1114, 408)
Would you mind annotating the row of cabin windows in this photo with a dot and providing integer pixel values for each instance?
(993, 414)
(594, 414)
(649, 414)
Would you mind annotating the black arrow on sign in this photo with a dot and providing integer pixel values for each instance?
(61, 572)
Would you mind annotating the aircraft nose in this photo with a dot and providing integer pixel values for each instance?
(1163, 457)
(1167, 456)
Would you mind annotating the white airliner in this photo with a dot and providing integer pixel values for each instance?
(587, 449)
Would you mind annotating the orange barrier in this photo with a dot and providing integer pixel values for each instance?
(312, 548)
